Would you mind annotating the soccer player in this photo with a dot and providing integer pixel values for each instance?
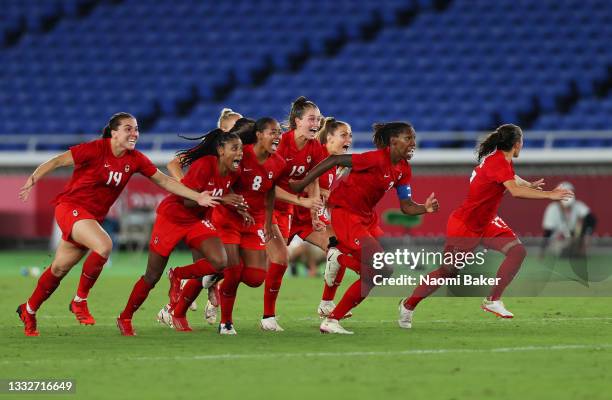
(301, 152)
(336, 137)
(245, 240)
(102, 168)
(476, 220)
(227, 120)
(352, 205)
(213, 167)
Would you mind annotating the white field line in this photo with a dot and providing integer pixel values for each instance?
(415, 352)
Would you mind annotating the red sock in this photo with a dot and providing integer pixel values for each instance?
(227, 291)
(137, 297)
(198, 269)
(508, 269)
(253, 277)
(274, 279)
(47, 283)
(190, 292)
(330, 292)
(351, 299)
(349, 262)
(424, 290)
(92, 268)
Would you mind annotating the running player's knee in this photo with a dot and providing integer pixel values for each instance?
(517, 251)
(218, 261)
(253, 277)
(60, 270)
(280, 257)
(152, 276)
(103, 247)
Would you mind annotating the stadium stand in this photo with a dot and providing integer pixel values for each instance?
(462, 65)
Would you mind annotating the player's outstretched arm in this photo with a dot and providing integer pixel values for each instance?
(62, 160)
(534, 185)
(431, 205)
(306, 202)
(530, 193)
(344, 160)
(205, 199)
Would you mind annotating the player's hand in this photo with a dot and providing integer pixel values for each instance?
(431, 204)
(325, 195)
(296, 186)
(206, 199)
(24, 192)
(268, 232)
(537, 185)
(248, 219)
(235, 200)
(311, 203)
(560, 194)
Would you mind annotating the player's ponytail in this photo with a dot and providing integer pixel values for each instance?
(248, 134)
(298, 108)
(211, 141)
(503, 138)
(227, 113)
(114, 122)
(383, 132)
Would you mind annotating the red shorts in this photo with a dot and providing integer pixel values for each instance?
(283, 221)
(232, 230)
(66, 215)
(167, 234)
(351, 229)
(496, 235)
(302, 222)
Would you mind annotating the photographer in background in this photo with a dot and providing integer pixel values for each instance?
(567, 225)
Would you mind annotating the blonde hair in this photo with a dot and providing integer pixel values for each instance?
(226, 114)
(328, 127)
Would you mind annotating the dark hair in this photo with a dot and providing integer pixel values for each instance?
(503, 138)
(207, 147)
(240, 123)
(328, 126)
(114, 122)
(248, 135)
(383, 132)
(298, 107)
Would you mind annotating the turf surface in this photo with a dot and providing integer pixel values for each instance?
(556, 348)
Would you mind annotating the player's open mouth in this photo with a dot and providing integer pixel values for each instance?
(410, 153)
(132, 141)
(236, 163)
(345, 147)
(275, 144)
(313, 131)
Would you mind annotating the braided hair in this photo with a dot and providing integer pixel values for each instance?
(383, 132)
(211, 141)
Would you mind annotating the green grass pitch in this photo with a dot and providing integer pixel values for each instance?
(555, 348)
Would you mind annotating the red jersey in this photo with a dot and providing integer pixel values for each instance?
(299, 162)
(99, 176)
(486, 191)
(202, 175)
(327, 179)
(256, 180)
(371, 177)
(325, 182)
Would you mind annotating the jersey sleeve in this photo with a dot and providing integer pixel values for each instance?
(406, 175)
(85, 152)
(365, 161)
(146, 167)
(197, 175)
(551, 217)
